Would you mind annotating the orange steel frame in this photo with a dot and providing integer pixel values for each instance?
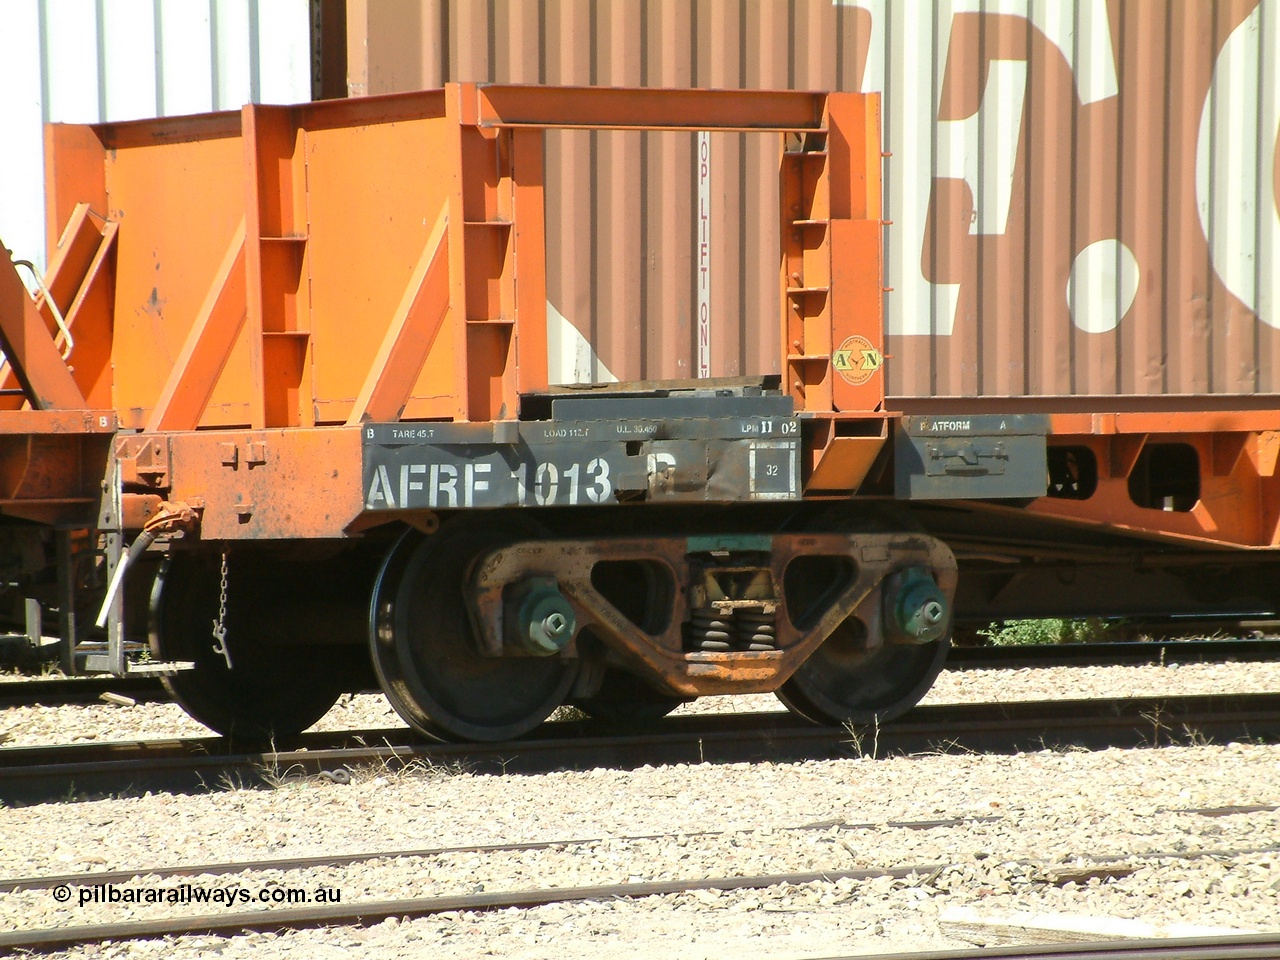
(478, 187)
(246, 289)
(1238, 452)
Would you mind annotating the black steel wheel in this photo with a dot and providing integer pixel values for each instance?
(626, 700)
(844, 681)
(857, 675)
(641, 592)
(424, 647)
(276, 686)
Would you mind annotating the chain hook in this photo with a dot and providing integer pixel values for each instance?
(220, 624)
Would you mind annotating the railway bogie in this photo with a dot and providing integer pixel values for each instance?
(320, 432)
(482, 629)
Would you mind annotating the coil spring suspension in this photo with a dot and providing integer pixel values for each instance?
(756, 630)
(709, 629)
(716, 631)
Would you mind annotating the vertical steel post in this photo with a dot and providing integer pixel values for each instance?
(113, 660)
(66, 603)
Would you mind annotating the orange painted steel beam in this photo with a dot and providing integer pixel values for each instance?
(159, 131)
(33, 355)
(74, 175)
(805, 277)
(530, 238)
(1156, 421)
(257, 141)
(482, 280)
(1239, 498)
(410, 336)
(1226, 515)
(622, 108)
(69, 264)
(57, 421)
(360, 111)
(87, 317)
(857, 266)
(70, 261)
(856, 315)
(854, 123)
(831, 276)
(195, 372)
(457, 263)
(274, 253)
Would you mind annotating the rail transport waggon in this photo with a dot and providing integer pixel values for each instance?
(280, 407)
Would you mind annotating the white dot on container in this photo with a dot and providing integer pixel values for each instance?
(1102, 285)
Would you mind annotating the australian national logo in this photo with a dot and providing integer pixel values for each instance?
(857, 359)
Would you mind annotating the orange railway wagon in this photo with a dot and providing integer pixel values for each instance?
(281, 406)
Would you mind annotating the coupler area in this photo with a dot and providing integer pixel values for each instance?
(708, 615)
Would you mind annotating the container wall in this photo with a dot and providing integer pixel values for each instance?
(1083, 194)
(85, 61)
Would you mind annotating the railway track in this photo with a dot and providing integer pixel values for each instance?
(366, 913)
(284, 864)
(1262, 946)
(80, 690)
(1133, 653)
(87, 690)
(44, 773)
(304, 863)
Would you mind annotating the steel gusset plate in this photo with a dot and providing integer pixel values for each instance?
(661, 657)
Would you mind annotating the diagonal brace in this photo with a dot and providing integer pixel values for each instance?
(195, 373)
(33, 356)
(410, 336)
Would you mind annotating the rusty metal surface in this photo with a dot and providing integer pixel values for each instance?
(52, 463)
(1080, 208)
(52, 477)
(270, 484)
(663, 656)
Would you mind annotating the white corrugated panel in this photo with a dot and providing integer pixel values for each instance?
(85, 61)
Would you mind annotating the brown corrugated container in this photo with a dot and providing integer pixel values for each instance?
(1083, 193)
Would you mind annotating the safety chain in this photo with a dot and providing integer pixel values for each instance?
(220, 624)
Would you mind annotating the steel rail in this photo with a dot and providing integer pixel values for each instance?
(32, 774)
(56, 938)
(1103, 867)
(341, 860)
(1134, 653)
(79, 690)
(89, 690)
(59, 938)
(1249, 946)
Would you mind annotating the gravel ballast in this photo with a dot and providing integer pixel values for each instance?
(80, 723)
(1034, 831)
